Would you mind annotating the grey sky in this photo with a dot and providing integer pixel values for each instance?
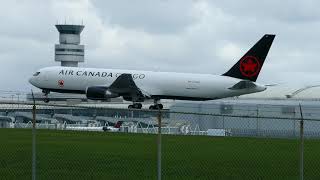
(178, 35)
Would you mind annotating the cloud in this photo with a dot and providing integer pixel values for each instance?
(199, 36)
(155, 17)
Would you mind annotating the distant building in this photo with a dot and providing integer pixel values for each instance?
(69, 52)
(65, 97)
(252, 116)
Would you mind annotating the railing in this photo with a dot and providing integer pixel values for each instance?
(185, 145)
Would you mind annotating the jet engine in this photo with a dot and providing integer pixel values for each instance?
(100, 93)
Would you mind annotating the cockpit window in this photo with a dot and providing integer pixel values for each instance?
(36, 74)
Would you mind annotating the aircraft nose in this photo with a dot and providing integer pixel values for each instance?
(32, 81)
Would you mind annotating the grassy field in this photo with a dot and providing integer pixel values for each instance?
(93, 155)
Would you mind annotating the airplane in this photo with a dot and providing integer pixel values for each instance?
(138, 86)
(114, 128)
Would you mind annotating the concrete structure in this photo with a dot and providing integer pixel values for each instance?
(235, 117)
(69, 52)
(78, 98)
(253, 117)
(6, 121)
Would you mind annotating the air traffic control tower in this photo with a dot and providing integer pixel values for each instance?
(69, 52)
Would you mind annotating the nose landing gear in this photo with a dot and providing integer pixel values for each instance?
(46, 99)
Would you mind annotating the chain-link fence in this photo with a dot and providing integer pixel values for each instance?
(222, 142)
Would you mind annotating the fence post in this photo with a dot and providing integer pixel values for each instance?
(257, 121)
(33, 138)
(159, 143)
(301, 144)
(223, 123)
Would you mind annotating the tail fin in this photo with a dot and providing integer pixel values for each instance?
(249, 66)
(118, 124)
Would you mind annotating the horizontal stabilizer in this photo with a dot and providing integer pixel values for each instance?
(271, 85)
(243, 85)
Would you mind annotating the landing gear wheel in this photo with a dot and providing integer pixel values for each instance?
(135, 106)
(157, 106)
(46, 99)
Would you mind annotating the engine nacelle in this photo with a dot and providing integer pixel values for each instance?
(100, 93)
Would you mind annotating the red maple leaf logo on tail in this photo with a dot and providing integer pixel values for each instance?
(249, 66)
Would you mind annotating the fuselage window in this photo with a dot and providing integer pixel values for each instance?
(36, 74)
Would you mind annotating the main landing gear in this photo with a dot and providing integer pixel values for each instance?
(135, 106)
(152, 107)
(46, 99)
(156, 105)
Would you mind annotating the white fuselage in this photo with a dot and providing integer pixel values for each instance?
(167, 85)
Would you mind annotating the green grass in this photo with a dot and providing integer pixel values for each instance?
(93, 155)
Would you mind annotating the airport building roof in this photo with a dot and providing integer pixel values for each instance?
(69, 29)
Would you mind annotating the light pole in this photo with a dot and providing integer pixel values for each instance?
(12, 100)
(18, 94)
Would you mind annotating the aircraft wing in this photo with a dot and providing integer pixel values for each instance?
(243, 85)
(125, 86)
